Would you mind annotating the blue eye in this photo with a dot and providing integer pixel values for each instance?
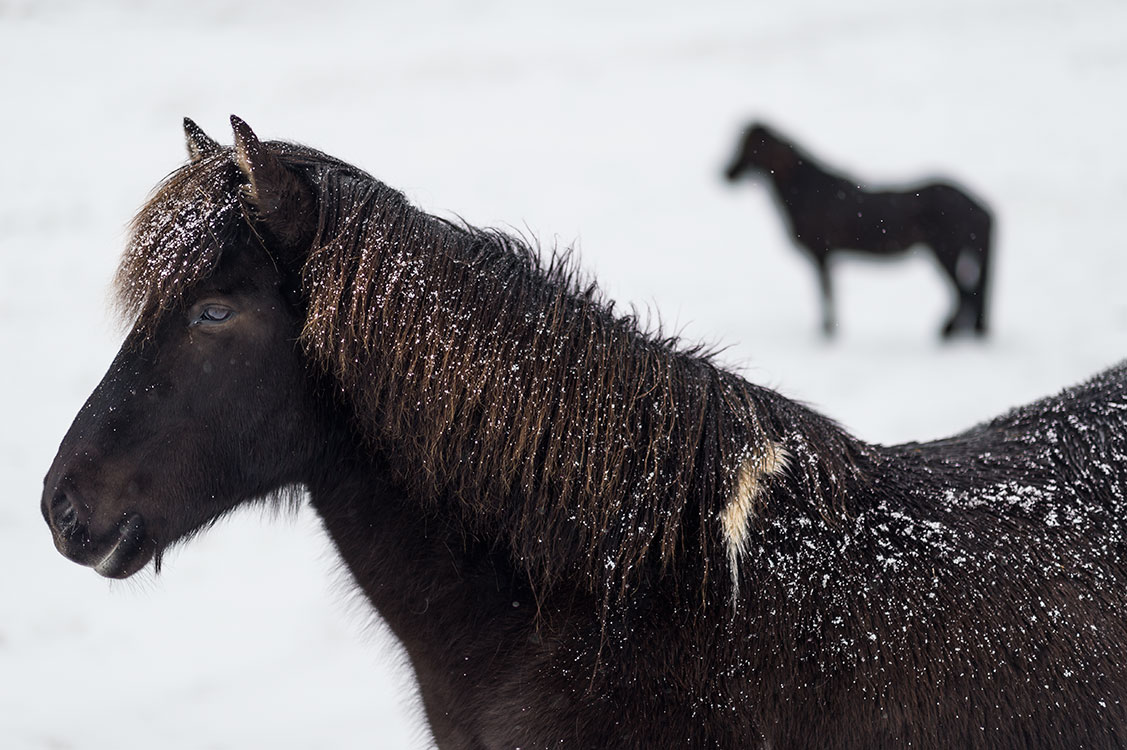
(212, 314)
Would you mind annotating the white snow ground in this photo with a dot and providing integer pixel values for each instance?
(601, 122)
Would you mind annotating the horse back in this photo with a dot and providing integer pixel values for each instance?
(989, 578)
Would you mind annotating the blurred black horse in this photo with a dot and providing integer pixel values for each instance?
(827, 212)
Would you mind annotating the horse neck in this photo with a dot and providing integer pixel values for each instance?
(428, 579)
(785, 162)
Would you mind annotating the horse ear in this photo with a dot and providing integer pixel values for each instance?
(199, 144)
(280, 200)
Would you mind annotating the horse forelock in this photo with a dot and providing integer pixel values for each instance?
(177, 238)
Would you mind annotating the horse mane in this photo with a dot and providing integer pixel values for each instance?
(513, 394)
(796, 156)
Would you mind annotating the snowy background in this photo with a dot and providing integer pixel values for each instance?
(596, 123)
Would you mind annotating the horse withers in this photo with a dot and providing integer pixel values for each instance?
(585, 534)
(827, 213)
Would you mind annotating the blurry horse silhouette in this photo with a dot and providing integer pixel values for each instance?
(828, 212)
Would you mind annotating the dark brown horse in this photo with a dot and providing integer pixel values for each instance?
(583, 534)
(828, 212)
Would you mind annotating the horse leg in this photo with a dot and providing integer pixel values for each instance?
(983, 287)
(976, 302)
(971, 275)
(828, 324)
(964, 268)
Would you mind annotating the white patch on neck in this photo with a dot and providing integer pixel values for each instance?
(735, 518)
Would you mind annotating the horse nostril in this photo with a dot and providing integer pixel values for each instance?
(64, 517)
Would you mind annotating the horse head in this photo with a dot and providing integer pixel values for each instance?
(208, 404)
(759, 149)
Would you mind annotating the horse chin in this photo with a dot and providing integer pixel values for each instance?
(129, 550)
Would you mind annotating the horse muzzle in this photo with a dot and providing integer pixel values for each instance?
(118, 553)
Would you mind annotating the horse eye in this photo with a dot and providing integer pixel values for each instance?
(213, 314)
